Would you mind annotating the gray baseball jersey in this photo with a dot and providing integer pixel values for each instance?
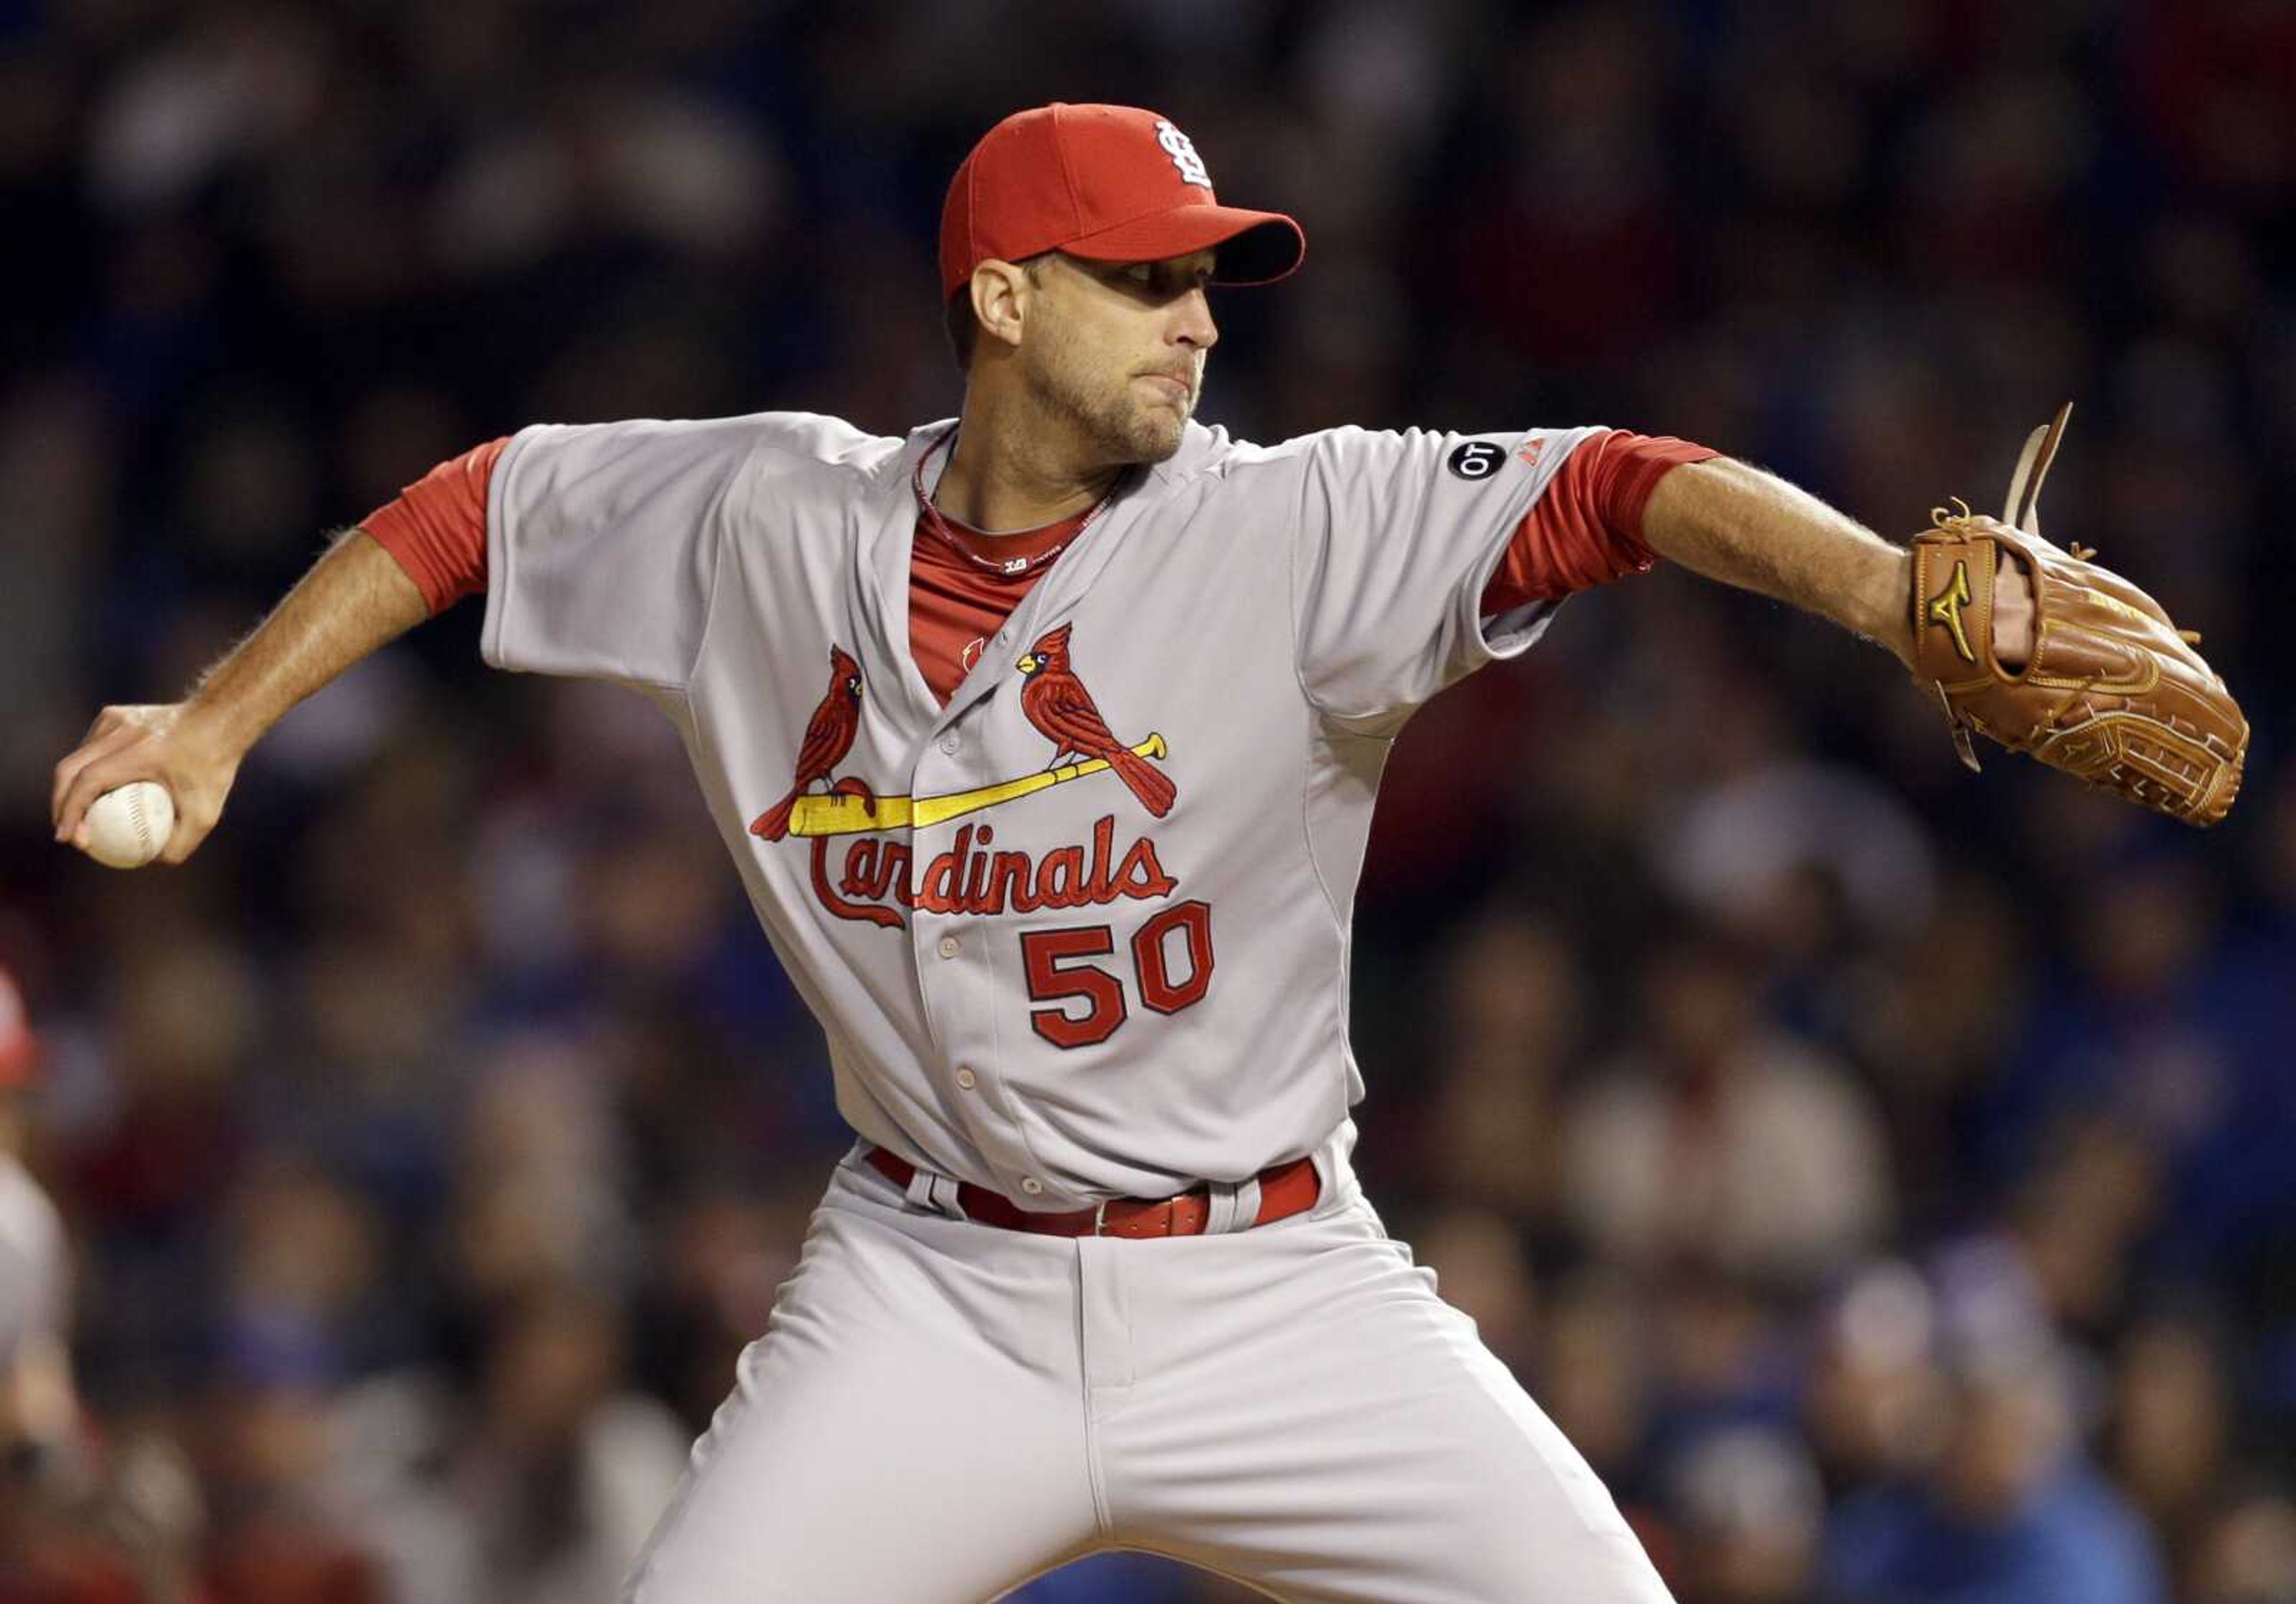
(1082, 932)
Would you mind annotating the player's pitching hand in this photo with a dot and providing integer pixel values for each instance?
(172, 744)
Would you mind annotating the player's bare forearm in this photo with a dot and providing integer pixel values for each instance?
(354, 599)
(1745, 527)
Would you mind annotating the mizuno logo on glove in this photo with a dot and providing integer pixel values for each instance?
(1945, 607)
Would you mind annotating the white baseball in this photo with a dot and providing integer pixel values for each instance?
(127, 827)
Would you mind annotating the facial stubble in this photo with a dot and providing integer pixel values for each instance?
(1119, 427)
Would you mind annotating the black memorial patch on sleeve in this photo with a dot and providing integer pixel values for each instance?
(1476, 460)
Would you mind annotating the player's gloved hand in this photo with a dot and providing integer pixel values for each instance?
(2048, 653)
(177, 744)
(2013, 612)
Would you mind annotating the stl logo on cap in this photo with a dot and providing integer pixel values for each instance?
(1182, 149)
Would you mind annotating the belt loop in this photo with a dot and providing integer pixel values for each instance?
(937, 1193)
(1246, 1205)
(1219, 1211)
(1234, 1206)
(919, 1189)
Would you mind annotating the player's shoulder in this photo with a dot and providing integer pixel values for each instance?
(1213, 462)
(1355, 461)
(777, 443)
(1209, 452)
(818, 439)
(1212, 451)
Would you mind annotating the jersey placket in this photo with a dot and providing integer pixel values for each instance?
(946, 1036)
(956, 969)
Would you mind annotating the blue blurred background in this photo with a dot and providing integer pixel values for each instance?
(1882, 1174)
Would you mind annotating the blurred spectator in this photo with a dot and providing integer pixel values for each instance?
(2010, 1510)
(1726, 1354)
(35, 1384)
(2248, 1554)
(39, 1415)
(1876, 1399)
(1934, 1062)
(1514, 1023)
(2172, 1425)
(80, 1520)
(2152, 1023)
(1743, 854)
(1750, 1511)
(564, 1472)
(1593, 1375)
(1720, 1139)
(263, 1454)
(2074, 1220)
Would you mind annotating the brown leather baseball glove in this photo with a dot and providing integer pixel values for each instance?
(2113, 692)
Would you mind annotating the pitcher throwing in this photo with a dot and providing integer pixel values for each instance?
(1064, 861)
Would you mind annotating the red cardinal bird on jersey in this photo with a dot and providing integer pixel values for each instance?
(828, 736)
(1057, 703)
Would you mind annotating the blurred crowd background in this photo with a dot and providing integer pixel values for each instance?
(1882, 1173)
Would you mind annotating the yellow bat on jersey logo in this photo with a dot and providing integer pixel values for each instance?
(845, 815)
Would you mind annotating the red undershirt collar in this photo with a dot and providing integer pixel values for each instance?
(1020, 552)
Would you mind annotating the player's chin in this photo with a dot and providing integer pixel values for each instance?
(1157, 428)
(1158, 439)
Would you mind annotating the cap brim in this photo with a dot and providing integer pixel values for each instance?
(1255, 247)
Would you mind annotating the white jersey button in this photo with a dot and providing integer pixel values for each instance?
(1031, 1185)
(949, 946)
(949, 743)
(967, 1079)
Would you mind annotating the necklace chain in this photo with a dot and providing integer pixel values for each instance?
(939, 522)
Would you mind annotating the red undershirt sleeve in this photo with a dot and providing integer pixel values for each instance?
(1586, 528)
(436, 529)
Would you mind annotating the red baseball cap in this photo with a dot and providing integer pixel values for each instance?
(1110, 183)
(20, 1049)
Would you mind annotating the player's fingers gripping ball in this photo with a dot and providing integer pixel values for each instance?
(128, 826)
(2113, 692)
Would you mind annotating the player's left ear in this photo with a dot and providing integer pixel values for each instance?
(1001, 291)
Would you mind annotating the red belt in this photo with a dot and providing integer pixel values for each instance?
(1286, 1189)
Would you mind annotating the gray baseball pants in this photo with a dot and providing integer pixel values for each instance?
(939, 1411)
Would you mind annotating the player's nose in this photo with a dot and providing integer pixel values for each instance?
(1194, 326)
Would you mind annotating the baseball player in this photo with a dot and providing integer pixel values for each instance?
(125, 1514)
(37, 1410)
(1045, 741)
